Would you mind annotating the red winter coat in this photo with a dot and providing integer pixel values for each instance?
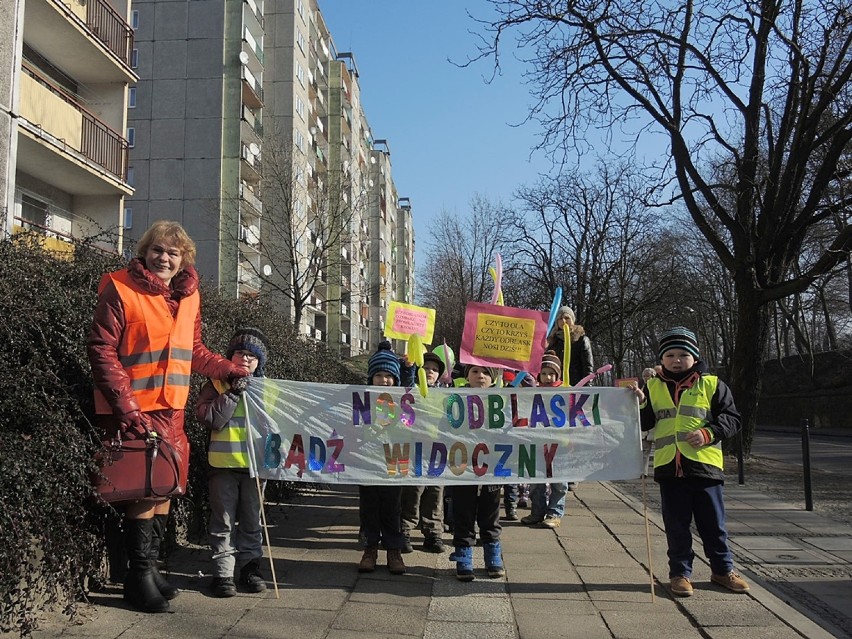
(110, 377)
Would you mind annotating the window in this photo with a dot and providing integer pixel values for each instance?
(131, 98)
(300, 7)
(134, 59)
(299, 139)
(300, 107)
(300, 74)
(131, 137)
(33, 212)
(131, 176)
(134, 19)
(128, 217)
(300, 40)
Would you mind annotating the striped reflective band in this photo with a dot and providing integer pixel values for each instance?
(668, 440)
(685, 411)
(151, 357)
(217, 446)
(156, 381)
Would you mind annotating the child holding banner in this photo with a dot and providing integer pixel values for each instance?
(236, 535)
(547, 510)
(379, 506)
(692, 412)
(424, 504)
(480, 505)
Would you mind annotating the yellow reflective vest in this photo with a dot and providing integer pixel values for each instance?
(673, 423)
(228, 447)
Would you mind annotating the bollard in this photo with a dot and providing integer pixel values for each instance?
(806, 464)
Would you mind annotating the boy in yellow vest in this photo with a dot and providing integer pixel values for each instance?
(236, 535)
(693, 412)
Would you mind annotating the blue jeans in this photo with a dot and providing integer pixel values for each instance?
(683, 499)
(550, 506)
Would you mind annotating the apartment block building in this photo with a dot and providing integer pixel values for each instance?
(248, 128)
(65, 68)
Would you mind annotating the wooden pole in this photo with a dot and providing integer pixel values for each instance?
(648, 533)
(266, 534)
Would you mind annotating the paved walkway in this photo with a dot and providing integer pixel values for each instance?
(587, 579)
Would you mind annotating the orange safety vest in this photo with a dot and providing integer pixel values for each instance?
(155, 348)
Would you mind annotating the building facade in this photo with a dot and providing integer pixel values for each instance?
(248, 128)
(65, 69)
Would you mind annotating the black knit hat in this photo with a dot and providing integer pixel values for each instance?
(432, 357)
(384, 360)
(253, 340)
(679, 337)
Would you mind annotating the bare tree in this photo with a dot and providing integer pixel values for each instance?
(461, 249)
(761, 88)
(592, 236)
(307, 219)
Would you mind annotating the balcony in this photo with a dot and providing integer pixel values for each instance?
(252, 90)
(248, 196)
(250, 165)
(90, 42)
(56, 128)
(252, 120)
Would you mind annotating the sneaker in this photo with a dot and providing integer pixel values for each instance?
(224, 587)
(511, 514)
(551, 521)
(396, 566)
(250, 577)
(368, 559)
(680, 586)
(406, 545)
(434, 544)
(732, 581)
(532, 520)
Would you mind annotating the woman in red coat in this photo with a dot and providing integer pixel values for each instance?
(144, 343)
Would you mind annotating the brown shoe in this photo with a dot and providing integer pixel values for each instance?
(732, 581)
(368, 559)
(550, 521)
(396, 566)
(681, 587)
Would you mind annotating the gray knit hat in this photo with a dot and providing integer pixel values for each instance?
(567, 310)
(679, 337)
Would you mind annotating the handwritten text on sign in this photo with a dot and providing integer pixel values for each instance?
(503, 336)
(329, 433)
(404, 320)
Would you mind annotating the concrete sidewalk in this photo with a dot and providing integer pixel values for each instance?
(588, 578)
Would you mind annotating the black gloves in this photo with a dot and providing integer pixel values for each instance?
(239, 384)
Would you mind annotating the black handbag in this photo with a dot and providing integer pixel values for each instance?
(136, 469)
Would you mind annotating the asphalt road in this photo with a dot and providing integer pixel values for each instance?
(828, 453)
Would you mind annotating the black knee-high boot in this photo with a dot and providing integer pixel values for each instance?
(157, 535)
(139, 587)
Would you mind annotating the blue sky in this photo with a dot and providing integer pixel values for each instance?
(450, 133)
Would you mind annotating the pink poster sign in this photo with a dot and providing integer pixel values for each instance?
(503, 336)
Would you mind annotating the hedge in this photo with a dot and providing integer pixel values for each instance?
(51, 532)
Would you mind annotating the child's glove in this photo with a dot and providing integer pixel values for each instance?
(239, 384)
(135, 424)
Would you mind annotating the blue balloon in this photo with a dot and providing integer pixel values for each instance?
(554, 309)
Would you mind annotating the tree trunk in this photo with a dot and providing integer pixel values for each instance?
(753, 323)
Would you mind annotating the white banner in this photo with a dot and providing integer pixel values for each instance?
(330, 433)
